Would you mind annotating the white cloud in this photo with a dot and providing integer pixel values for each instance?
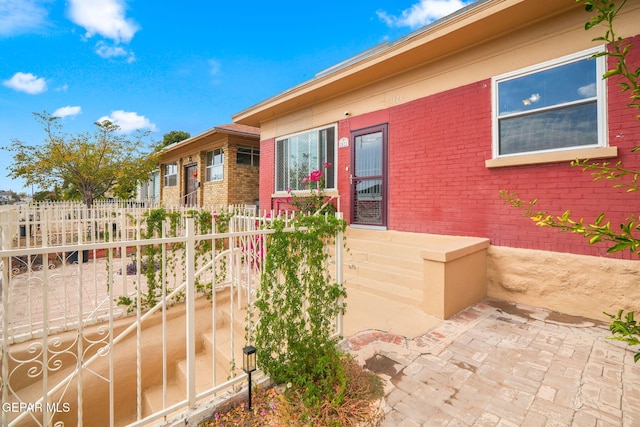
(104, 17)
(422, 13)
(106, 51)
(26, 82)
(22, 16)
(129, 121)
(63, 88)
(67, 111)
(214, 67)
(588, 91)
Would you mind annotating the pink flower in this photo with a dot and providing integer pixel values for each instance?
(315, 176)
(305, 180)
(326, 165)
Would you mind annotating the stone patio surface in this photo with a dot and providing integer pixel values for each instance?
(503, 364)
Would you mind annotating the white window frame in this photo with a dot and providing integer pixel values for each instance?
(171, 174)
(213, 167)
(333, 161)
(600, 98)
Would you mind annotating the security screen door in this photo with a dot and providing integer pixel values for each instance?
(369, 176)
(190, 185)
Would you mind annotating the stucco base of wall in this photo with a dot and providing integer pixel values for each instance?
(574, 284)
(455, 276)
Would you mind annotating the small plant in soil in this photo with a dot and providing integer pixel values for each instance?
(285, 405)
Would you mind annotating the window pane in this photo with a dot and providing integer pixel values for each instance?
(215, 165)
(248, 156)
(565, 127)
(281, 165)
(298, 155)
(566, 83)
(170, 175)
(369, 157)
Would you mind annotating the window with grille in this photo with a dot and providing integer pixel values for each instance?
(557, 105)
(171, 175)
(249, 156)
(300, 154)
(215, 165)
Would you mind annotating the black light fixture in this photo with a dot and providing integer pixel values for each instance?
(249, 365)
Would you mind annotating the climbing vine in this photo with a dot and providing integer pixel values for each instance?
(298, 302)
(156, 268)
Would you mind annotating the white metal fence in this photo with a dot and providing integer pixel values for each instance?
(104, 320)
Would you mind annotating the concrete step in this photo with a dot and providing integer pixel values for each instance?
(411, 263)
(208, 358)
(386, 273)
(222, 351)
(385, 263)
(152, 400)
(398, 237)
(204, 369)
(384, 248)
(391, 291)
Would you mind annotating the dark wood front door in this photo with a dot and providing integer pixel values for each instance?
(191, 185)
(369, 176)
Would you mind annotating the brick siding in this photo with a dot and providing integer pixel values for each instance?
(238, 186)
(438, 182)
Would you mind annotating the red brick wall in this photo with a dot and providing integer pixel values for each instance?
(438, 181)
(267, 172)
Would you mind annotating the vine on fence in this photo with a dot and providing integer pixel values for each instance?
(298, 301)
(157, 268)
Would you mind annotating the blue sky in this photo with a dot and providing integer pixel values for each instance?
(187, 67)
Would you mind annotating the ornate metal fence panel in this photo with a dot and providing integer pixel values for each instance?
(107, 321)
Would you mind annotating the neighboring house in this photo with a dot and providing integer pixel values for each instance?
(6, 197)
(217, 167)
(149, 191)
(423, 133)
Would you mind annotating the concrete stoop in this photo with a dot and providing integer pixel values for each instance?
(439, 275)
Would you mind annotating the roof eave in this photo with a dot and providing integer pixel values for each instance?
(482, 20)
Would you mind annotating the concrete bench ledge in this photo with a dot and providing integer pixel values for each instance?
(455, 274)
(450, 248)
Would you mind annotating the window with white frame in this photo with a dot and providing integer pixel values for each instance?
(300, 154)
(557, 105)
(171, 175)
(215, 165)
(249, 156)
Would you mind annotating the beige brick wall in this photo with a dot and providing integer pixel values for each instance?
(239, 185)
(243, 179)
(170, 196)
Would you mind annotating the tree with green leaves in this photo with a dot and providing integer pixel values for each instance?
(626, 237)
(89, 165)
(173, 137)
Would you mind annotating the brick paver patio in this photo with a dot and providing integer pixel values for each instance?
(502, 364)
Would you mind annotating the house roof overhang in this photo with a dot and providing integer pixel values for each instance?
(208, 137)
(477, 23)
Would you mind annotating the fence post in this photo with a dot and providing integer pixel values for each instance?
(339, 278)
(4, 342)
(191, 313)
